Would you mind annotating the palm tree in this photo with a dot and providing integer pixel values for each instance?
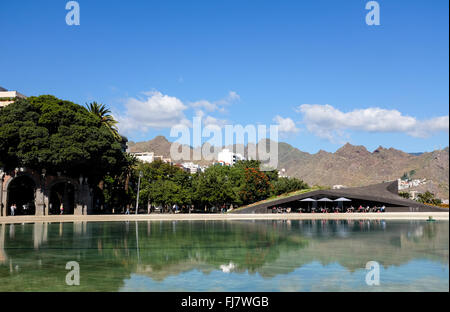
(130, 166)
(106, 119)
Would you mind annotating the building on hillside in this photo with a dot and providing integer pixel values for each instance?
(282, 173)
(228, 158)
(405, 184)
(191, 167)
(149, 157)
(8, 97)
(145, 157)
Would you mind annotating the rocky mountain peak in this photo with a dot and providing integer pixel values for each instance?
(350, 165)
(349, 149)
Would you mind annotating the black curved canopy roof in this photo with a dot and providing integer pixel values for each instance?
(386, 193)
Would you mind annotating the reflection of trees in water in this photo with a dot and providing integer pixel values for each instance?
(108, 252)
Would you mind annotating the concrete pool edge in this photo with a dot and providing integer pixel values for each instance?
(218, 217)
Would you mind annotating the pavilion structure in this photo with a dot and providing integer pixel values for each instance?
(379, 195)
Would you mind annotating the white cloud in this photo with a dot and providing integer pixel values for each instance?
(208, 106)
(217, 105)
(330, 123)
(210, 121)
(285, 125)
(155, 111)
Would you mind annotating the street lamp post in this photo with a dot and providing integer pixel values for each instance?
(149, 208)
(141, 174)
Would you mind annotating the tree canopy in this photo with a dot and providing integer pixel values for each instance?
(428, 198)
(164, 184)
(60, 136)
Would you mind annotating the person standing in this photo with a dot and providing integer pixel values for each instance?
(13, 209)
(61, 208)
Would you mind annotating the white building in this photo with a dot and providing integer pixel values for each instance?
(7, 97)
(228, 158)
(191, 167)
(282, 173)
(145, 157)
(402, 184)
(149, 157)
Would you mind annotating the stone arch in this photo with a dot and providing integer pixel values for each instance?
(63, 191)
(21, 191)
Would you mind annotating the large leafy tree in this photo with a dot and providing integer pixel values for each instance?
(214, 187)
(286, 185)
(60, 136)
(428, 198)
(256, 187)
(162, 184)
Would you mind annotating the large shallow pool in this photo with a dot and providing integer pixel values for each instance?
(307, 255)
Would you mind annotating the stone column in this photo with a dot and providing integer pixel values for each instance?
(46, 204)
(78, 209)
(39, 197)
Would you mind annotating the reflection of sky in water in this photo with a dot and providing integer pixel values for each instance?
(416, 275)
(237, 256)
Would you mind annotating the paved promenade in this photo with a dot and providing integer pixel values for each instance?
(269, 216)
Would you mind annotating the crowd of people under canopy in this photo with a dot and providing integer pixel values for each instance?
(331, 209)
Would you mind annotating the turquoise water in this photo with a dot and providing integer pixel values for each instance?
(309, 255)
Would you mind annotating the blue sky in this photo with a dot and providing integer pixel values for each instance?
(314, 67)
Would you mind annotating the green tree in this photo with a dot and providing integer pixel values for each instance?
(162, 184)
(428, 198)
(404, 195)
(286, 185)
(103, 114)
(116, 190)
(214, 187)
(256, 186)
(60, 136)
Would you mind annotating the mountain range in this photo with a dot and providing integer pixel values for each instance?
(350, 165)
